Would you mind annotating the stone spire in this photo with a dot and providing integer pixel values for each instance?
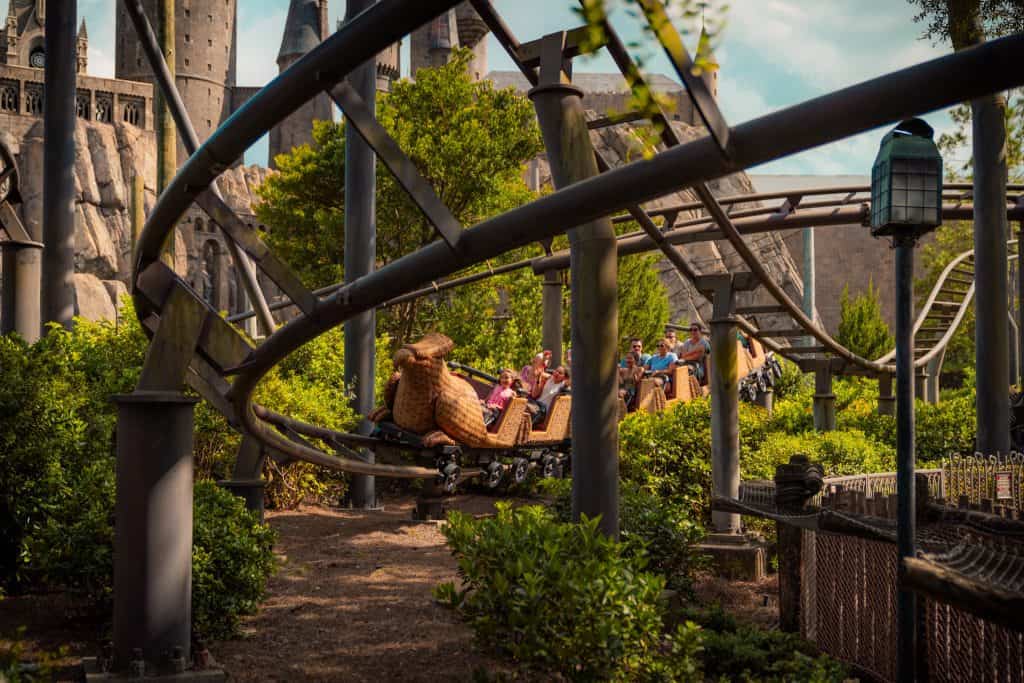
(82, 49)
(302, 30)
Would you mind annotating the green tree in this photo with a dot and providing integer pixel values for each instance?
(862, 328)
(467, 139)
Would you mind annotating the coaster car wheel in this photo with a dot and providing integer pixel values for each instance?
(520, 470)
(550, 466)
(495, 474)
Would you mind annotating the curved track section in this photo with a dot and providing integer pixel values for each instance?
(227, 369)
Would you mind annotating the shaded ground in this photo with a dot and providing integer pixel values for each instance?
(352, 602)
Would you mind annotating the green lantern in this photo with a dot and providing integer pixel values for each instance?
(906, 182)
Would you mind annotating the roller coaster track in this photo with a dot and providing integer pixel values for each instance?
(191, 340)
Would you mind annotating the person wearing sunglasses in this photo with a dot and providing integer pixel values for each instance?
(636, 345)
(662, 363)
(693, 352)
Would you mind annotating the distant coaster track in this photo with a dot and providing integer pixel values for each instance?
(226, 368)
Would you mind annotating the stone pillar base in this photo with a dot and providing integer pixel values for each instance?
(736, 556)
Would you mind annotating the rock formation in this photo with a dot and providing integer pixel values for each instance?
(107, 157)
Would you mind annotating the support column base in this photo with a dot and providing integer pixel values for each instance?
(92, 671)
(736, 556)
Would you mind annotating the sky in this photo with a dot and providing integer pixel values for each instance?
(772, 54)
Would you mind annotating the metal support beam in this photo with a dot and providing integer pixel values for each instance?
(551, 329)
(166, 138)
(991, 346)
(934, 368)
(153, 543)
(824, 399)
(19, 305)
(725, 394)
(594, 311)
(886, 399)
(810, 281)
(906, 610)
(361, 244)
(58, 297)
(1020, 301)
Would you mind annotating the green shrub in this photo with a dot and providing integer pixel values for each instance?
(862, 329)
(743, 652)
(232, 557)
(661, 530)
(839, 452)
(669, 453)
(561, 597)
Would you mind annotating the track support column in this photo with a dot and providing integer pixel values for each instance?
(991, 231)
(824, 399)
(59, 164)
(360, 259)
(594, 311)
(551, 330)
(886, 400)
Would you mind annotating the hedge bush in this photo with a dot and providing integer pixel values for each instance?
(839, 452)
(563, 597)
(743, 652)
(663, 531)
(232, 557)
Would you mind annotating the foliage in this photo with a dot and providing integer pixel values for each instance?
(862, 329)
(793, 380)
(13, 656)
(232, 557)
(643, 301)
(743, 652)
(466, 138)
(559, 596)
(669, 453)
(946, 20)
(662, 530)
(839, 452)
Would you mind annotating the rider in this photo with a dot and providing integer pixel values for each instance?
(694, 350)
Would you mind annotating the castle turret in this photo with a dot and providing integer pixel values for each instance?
(473, 34)
(432, 44)
(23, 39)
(303, 30)
(204, 45)
(82, 49)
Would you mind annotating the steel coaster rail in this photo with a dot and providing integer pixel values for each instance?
(935, 84)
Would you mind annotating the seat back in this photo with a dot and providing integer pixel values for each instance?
(682, 387)
(649, 396)
(557, 424)
(508, 428)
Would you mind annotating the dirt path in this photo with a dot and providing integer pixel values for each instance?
(352, 602)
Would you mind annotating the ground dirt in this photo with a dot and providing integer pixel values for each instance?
(351, 601)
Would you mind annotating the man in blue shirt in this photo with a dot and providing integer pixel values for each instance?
(662, 363)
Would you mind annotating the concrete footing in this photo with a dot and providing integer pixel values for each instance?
(736, 556)
(94, 672)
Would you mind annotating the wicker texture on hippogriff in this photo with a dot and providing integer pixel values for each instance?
(427, 399)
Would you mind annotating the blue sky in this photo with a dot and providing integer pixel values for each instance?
(773, 54)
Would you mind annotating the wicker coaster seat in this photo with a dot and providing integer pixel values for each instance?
(556, 426)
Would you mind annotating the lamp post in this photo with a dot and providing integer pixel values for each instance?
(906, 203)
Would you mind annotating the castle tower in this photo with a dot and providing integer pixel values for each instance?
(304, 29)
(473, 34)
(82, 49)
(204, 58)
(432, 44)
(21, 39)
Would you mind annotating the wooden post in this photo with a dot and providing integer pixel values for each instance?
(795, 484)
(166, 134)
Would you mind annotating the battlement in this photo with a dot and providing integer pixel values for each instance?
(103, 100)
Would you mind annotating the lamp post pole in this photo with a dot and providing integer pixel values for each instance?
(906, 523)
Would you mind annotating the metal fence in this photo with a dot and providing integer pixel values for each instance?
(848, 609)
(987, 481)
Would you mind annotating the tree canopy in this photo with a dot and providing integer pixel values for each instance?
(470, 141)
(862, 328)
